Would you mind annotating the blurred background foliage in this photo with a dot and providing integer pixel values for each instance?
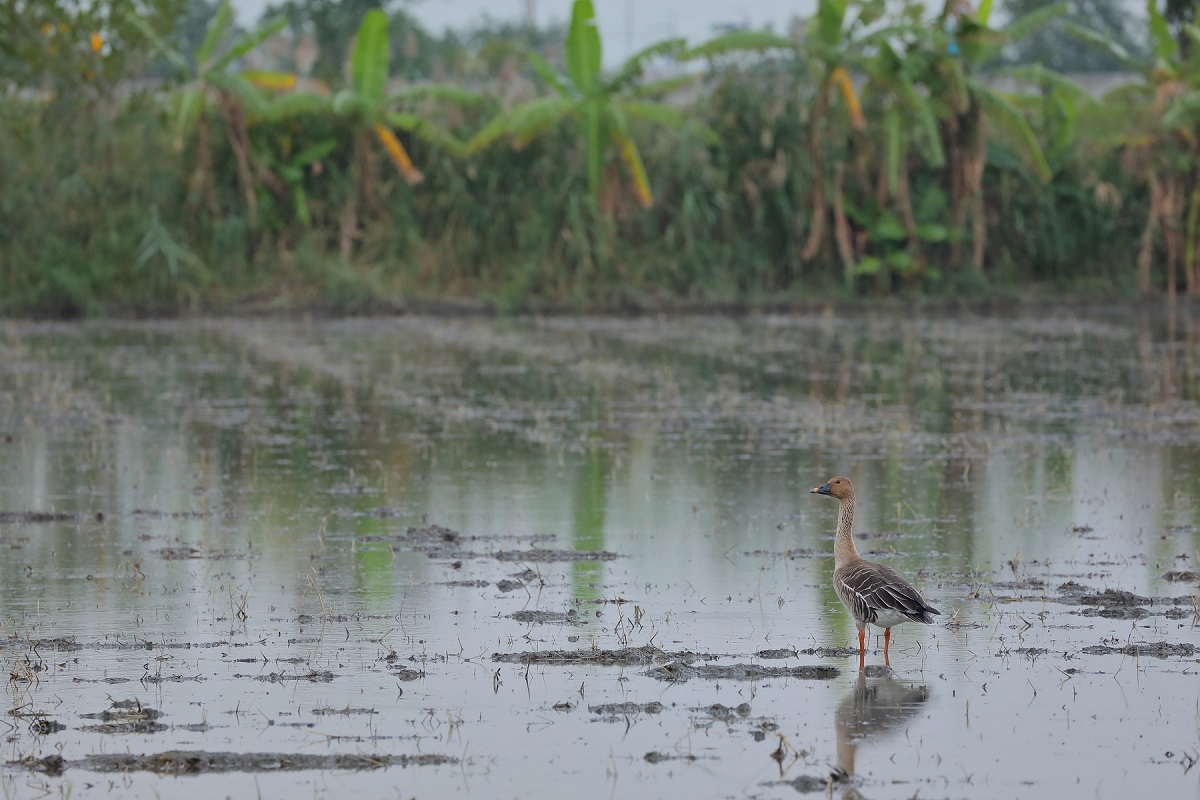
(157, 158)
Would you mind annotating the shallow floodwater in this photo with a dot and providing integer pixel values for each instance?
(430, 558)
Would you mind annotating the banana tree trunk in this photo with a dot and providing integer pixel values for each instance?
(239, 142)
(1172, 208)
(978, 231)
(816, 233)
(366, 166)
(348, 226)
(908, 218)
(1189, 254)
(841, 229)
(1146, 252)
(966, 157)
(201, 180)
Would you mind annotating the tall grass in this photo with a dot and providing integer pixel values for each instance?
(102, 216)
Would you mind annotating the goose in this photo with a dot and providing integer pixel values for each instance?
(875, 594)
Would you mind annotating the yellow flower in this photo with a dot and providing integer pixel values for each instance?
(97, 42)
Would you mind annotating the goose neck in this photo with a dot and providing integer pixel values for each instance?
(844, 550)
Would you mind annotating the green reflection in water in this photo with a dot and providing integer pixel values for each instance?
(589, 514)
(976, 438)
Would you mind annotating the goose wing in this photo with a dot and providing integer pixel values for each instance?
(867, 589)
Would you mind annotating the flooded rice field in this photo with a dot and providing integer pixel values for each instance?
(534, 559)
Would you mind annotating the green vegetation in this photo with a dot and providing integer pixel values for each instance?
(147, 165)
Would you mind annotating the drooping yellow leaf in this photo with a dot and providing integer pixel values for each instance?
(841, 79)
(280, 81)
(398, 154)
(637, 170)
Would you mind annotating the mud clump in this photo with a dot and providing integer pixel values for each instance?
(187, 552)
(30, 517)
(679, 671)
(569, 617)
(62, 644)
(342, 712)
(807, 784)
(45, 727)
(625, 657)
(124, 709)
(141, 726)
(126, 716)
(785, 652)
(1119, 604)
(151, 513)
(724, 712)
(152, 679)
(1155, 649)
(1134, 612)
(284, 677)
(51, 765)
(655, 757)
(829, 652)
(438, 542)
(406, 674)
(1029, 652)
(434, 534)
(622, 710)
(1114, 597)
(194, 762)
(540, 555)
(434, 541)
(1115, 604)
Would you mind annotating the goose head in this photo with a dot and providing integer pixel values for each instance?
(838, 488)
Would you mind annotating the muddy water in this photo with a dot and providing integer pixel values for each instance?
(424, 557)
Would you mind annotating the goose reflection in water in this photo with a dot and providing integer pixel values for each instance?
(873, 709)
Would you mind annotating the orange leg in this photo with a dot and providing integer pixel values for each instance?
(862, 649)
(887, 640)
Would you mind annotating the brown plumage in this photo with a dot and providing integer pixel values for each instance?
(874, 593)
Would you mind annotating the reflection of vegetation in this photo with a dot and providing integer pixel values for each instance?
(295, 442)
(375, 569)
(589, 515)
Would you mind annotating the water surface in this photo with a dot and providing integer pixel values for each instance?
(285, 543)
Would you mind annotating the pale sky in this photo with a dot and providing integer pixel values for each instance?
(626, 26)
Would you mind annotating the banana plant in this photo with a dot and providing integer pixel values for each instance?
(964, 44)
(293, 167)
(1166, 142)
(830, 51)
(375, 114)
(603, 108)
(905, 121)
(211, 77)
(371, 107)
